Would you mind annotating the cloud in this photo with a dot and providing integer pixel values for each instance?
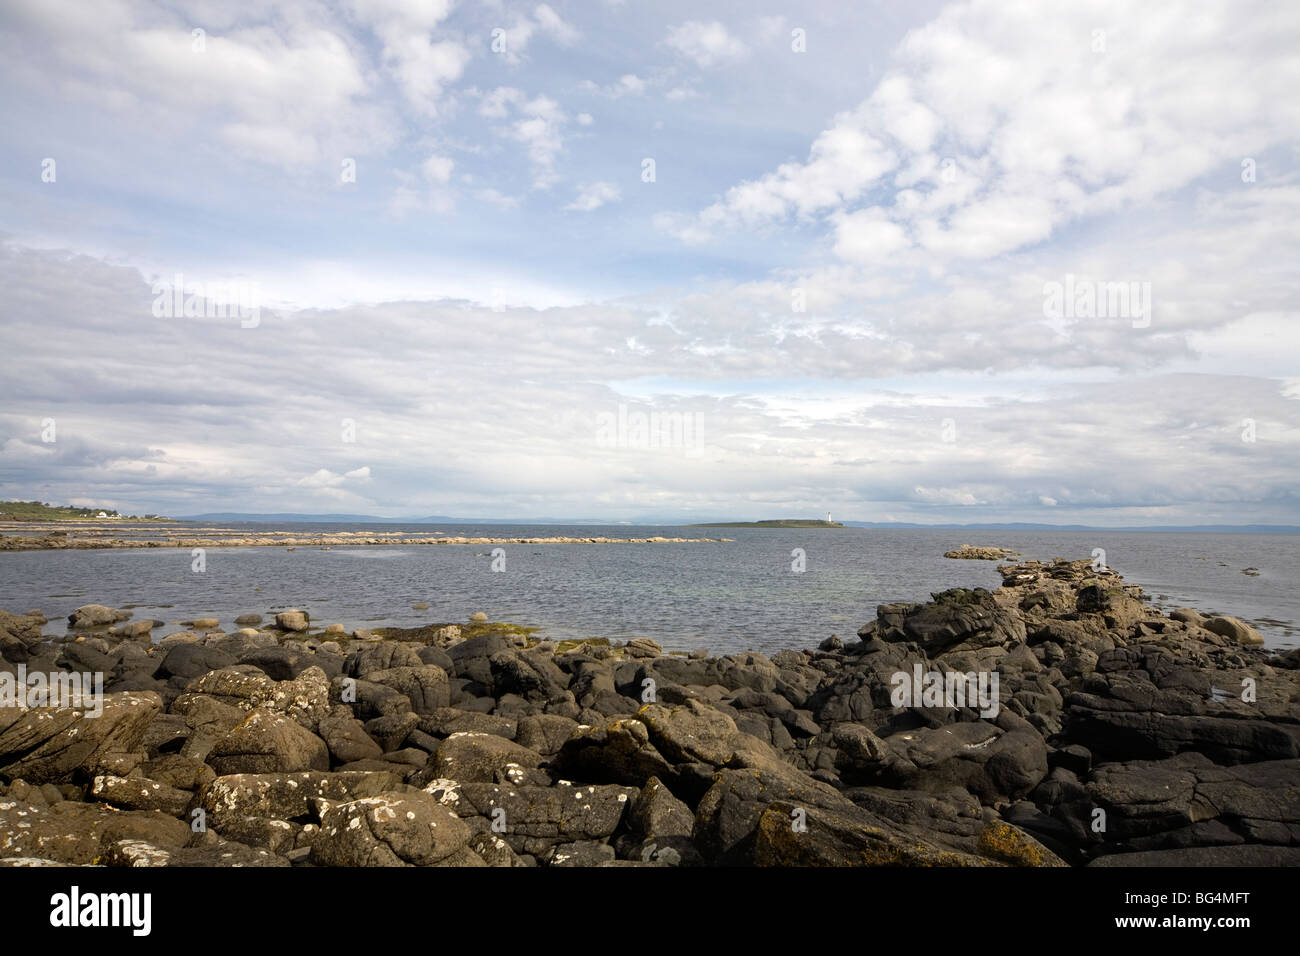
(277, 92)
(867, 236)
(510, 43)
(291, 86)
(592, 196)
(946, 496)
(843, 163)
(426, 191)
(870, 250)
(537, 123)
(420, 65)
(551, 23)
(496, 198)
(437, 169)
(707, 43)
(1167, 446)
(999, 126)
(629, 84)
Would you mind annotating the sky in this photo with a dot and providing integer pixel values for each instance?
(928, 262)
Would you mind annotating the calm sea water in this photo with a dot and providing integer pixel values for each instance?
(724, 597)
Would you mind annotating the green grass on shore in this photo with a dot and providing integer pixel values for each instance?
(44, 511)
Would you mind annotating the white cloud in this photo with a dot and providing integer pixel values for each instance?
(867, 236)
(707, 43)
(592, 196)
(629, 84)
(843, 162)
(497, 103)
(537, 123)
(514, 40)
(282, 96)
(1167, 446)
(428, 191)
(437, 169)
(496, 198)
(554, 26)
(946, 496)
(421, 65)
(1001, 125)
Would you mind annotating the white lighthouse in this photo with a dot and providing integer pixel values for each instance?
(828, 517)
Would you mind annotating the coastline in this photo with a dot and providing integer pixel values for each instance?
(294, 742)
(57, 536)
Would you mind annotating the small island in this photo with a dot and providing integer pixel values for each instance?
(775, 523)
(970, 552)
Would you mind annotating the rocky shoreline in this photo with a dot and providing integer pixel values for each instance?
(1103, 734)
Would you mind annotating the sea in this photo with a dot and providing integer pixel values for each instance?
(765, 589)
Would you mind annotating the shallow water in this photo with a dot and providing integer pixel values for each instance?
(725, 597)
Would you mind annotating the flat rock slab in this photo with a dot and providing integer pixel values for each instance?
(389, 829)
(80, 832)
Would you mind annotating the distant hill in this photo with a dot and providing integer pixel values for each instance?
(287, 518)
(1025, 526)
(650, 521)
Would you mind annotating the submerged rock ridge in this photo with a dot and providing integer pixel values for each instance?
(1055, 721)
(92, 540)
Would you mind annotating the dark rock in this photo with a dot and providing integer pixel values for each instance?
(380, 657)
(346, 738)
(1136, 735)
(787, 834)
(615, 751)
(391, 730)
(532, 675)
(471, 656)
(79, 833)
(394, 828)
(957, 620)
(175, 770)
(287, 663)
(545, 733)
(425, 686)
(483, 758)
(536, 818)
(1251, 855)
(445, 721)
(96, 615)
(287, 796)
(657, 813)
(267, 742)
(192, 660)
(140, 793)
(45, 745)
(583, 853)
